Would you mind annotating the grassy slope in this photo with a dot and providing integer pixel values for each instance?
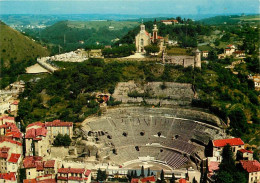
(17, 47)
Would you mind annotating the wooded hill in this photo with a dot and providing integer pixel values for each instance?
(16, 53)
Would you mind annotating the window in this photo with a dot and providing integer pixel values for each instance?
(142, 42)
(28, 173)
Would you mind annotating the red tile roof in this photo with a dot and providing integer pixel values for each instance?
(182, 181)
(176, 21)
(29, 161)
(250, 165)
(148, 179)
(87, 173)
(49, 164)
(11, 141)
(14, 134)
(15, 102)
(213, 166)
(39, 165)
(29, 181)
(224, 142)
(134, 180)
(245, 151)
(33, 133)
(36, 124)
(57, 123)
(8, 176)
(71, 170)
(14, 158)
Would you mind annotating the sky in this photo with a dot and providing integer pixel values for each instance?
(130, 7)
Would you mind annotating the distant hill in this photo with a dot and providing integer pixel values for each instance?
(16, 52)
(71, 35)
(232, 19)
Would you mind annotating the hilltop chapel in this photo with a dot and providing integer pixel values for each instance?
(144, 38)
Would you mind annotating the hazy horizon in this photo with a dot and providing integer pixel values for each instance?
(130, 7)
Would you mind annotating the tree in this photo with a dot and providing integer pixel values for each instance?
(101, 175)
(62, 140)
(224, 177)
(238, 122)
(148, 172)
(162, 176)
(228, 163)
(172, 180)
(142, 172)
(135, 174)
(152, 49)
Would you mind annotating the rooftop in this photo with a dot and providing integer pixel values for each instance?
(57, 123)
(224, 142)
(250, 165)
(14, 158)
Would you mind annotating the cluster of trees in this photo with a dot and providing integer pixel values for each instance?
(9, 74)
(62, 140)
(119, 51)
(151, 49)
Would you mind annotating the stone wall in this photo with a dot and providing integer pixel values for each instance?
(154, 93)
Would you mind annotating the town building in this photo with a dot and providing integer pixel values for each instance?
(170, 22)
(8, 177)
(252, 169)
(6, 119)
(244, 154)
(75, 175)
(256, 80)
(34, 166)
(143, 39)
(10, 155)
(218, 145)
(58, 127)
(184, 60)
(36, 140)
(205, 54)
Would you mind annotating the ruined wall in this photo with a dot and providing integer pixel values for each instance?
(154, 93)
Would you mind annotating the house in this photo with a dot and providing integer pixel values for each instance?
(58, 127)
(6, 118)
(9, 129)
(75, 175)
(244, 154)
(256, 80)
(10, 155)
(38, 169)
(229, 50)
(213, 166)
(218, 145)
(14, 107)
(252, 169)
(95, 53)
(205, 54)
(143, 38)
(170, 22)
(36, 140)
(8, 177)
(239, 53)
(33, 166)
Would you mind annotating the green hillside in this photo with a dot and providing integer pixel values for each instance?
(16, 52)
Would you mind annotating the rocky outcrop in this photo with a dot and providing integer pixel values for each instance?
(154, 93)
